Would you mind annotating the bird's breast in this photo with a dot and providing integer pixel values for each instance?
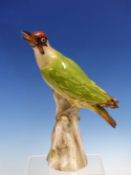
(45, 59)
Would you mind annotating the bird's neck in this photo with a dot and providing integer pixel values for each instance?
(46, 58)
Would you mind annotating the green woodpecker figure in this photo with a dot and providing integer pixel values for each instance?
(73, 90)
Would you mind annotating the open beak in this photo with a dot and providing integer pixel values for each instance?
(32, 40)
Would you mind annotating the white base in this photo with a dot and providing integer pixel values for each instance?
(39, 166)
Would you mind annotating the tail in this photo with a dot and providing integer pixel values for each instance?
(104, 114)
(113, 103)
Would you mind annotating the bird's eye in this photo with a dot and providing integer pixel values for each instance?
(43, 40)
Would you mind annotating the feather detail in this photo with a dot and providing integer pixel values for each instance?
(104, 114)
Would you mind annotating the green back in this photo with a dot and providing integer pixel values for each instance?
(68, 78)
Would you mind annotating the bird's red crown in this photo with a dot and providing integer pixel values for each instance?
(40, 34)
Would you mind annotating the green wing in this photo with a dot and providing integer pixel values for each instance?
(68, 78)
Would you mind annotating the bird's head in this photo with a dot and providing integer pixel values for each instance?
(36, 39)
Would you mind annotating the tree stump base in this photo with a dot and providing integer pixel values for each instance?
(66, 153)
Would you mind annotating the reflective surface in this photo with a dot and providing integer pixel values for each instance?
(38, 166)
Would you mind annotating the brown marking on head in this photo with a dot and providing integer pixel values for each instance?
(36, 39)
